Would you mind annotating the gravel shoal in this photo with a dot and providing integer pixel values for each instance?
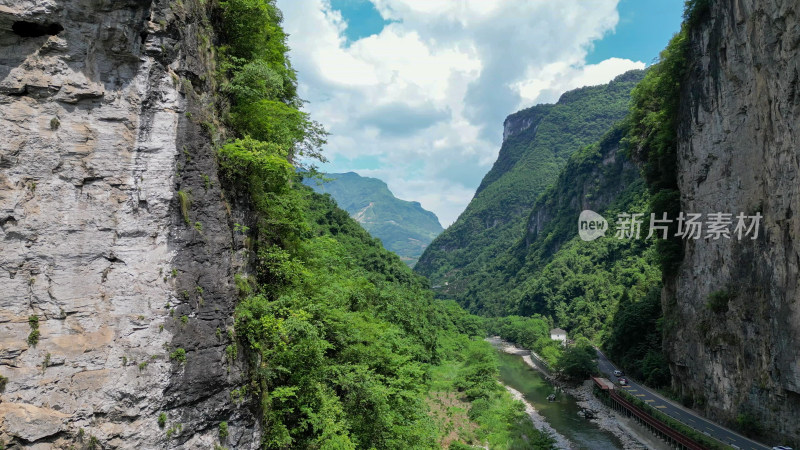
(604, 416)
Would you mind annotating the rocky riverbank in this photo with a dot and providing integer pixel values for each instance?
(604, 417)
(540, 422)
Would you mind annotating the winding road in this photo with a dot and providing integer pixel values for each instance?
(680, 413)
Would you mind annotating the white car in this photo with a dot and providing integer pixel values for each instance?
(618, 373)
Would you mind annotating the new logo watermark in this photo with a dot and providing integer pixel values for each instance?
(687, 226)
(591, 225)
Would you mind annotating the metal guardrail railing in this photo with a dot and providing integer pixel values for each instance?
(657, 424)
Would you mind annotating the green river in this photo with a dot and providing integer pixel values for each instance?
(562, 414)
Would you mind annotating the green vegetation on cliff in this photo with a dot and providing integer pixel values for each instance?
(635, 340)
(343, 342)
(592, 289)
(403, 227)
(653, 137)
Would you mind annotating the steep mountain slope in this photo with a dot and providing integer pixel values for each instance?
(537, 143)
(733, 305)
(551, 271)
(604, 290)
(403, 227)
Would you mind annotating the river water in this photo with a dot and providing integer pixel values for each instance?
(562, 414)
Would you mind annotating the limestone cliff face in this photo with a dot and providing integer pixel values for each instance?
(739, 151)
(101, 103)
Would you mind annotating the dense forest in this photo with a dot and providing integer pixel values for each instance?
(603, 292)
(538, 268)
(347, 347)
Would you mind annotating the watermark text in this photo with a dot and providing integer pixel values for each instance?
(714, 226)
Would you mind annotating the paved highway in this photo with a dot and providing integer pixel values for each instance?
(684, 415)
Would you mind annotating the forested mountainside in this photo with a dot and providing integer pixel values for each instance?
(537, 143)
(169, 282)
(403, 227)
(604, 291)
(540, 268)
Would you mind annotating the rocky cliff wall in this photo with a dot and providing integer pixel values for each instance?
(739, 151)
(114, 232)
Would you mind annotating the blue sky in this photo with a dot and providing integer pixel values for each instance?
(414, 92)
(643, 30)
(362, 18)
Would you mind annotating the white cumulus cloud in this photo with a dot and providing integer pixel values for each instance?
(424, 100)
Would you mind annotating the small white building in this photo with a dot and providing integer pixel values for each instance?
(557, 334)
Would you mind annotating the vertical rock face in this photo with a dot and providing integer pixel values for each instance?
(739, 151)
(113, 230)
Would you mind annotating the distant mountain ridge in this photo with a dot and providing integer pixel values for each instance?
(404, 227)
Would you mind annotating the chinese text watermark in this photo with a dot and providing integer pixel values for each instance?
(687, 226)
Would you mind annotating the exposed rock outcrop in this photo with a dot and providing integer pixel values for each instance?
(114, 233)
(739, 151)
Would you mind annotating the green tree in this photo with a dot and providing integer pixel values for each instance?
(281, 124)
(578, 361)
(636, 337)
